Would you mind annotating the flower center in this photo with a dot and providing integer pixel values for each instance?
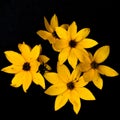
(94, 65)
(55, 35)
(72, 43)
(70, 85)
(26, 66)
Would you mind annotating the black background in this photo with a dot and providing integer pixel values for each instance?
(20, 20)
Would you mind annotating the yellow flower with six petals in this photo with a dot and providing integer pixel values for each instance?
(72, 44)
(92, 67)
(24, 66)
(67, 86)
(50, 34)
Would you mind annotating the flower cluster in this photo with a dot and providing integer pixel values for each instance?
(30, 65)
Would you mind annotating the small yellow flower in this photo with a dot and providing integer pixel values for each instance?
(72, 44)
(92, 67)
(67, 86)
(50, 34)
(24, 66)
(44, 67)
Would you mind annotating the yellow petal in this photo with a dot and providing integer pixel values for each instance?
(48, 67)
(65, 26)
(54, 21)
(61, 100)
(108, 71)
(62, 33)
(83, 33)
(101, 54)
(63, 72)
(13, 69)
(81, 82)
(56, 89)
(72, 59)
(25, 50)
(17, 80)
(34, 65)
(98, 82)
(89, 75)
(88, 43)
(81, 54)
(54, 48)
(39, 80)
(75, 100)
(14, 57)
(27, 80)
(43, 59)
(52, 39)
(72, 29)
(35, 52)
(47, 25)
(51, 77)
(59, 45)
(75, 73)
(84, 66)
(44, 34)
(85, 93)
(63, 55)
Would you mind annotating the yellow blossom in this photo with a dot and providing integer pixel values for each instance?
(92, 67)
(24, 66)
(72, 44)
(44, 67)
(50, 33)
(67, 86)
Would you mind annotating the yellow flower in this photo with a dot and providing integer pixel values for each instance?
(92, 67)
(44, 67)
(67, 86)
(72, 44)
(24, 66)
(50, 34)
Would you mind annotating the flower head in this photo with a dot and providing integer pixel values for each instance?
(92, 67)
(24, 66)
(67, 86)
(50, 33)
(72, 44)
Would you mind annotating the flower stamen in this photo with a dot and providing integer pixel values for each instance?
(72, 43)
(26, 66)
(94, 65)
(70, 85)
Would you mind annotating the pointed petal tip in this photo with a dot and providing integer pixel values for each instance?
(5, 52)
(13, 85)
(2, 70)
(45, 18)
(25, 90)
(46, 92)
(43, 86)
(55, 108)
(76, 112)
(74, 22)
(55, 15)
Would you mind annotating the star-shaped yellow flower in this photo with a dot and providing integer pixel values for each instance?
(72, 44)
(50, 34)
(67, 86)
(24, 66)
(92, 67)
